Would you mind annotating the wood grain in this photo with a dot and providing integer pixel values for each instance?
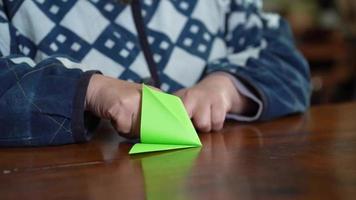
(310, 156)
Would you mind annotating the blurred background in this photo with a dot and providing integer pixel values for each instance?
(325, 32)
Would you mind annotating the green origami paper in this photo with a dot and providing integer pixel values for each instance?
(165, 124)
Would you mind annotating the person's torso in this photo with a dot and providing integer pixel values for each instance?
(183, 35)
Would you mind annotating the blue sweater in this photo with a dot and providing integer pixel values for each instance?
(50, 49)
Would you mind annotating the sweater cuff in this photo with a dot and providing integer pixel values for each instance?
(241, 88)
(83, 122)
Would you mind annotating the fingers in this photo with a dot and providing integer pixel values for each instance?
(136, 122)
(122, 122)
(218, 114)
(206, 115)
(202, 117)
(126, 123)
(116, 100)
(209, 117)
(189, 106)
(188, 101)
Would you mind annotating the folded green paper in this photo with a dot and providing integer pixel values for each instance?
(165, 124)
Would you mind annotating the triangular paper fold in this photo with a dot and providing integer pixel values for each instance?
(165, 124)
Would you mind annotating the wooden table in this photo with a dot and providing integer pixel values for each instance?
(298, 157)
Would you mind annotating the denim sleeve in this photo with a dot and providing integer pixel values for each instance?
(40, 103)
(262, 55)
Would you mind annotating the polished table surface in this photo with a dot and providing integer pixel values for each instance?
(310, 156)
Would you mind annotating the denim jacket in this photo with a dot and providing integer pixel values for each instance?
(50, 49)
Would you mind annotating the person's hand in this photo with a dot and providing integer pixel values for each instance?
(208, 102)
(116, 100)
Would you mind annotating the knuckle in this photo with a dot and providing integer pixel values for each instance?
(114, 110)
(122, 127)
(190, 92)
(124, 102)
(127, 106)
(217, 100)
(131, 100)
